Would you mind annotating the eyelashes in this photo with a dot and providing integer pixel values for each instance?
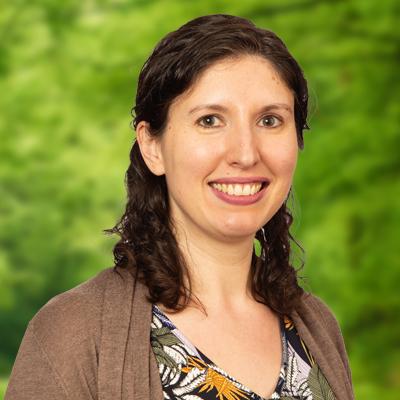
(210, 121)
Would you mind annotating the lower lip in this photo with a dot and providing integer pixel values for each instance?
(240, 200)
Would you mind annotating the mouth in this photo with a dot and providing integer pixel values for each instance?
(240, 189)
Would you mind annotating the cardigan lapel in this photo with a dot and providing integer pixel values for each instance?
(127, 366)
(310, 326)
(117, 310)
(146, 377)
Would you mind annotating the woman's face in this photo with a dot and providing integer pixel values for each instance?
(229, 150)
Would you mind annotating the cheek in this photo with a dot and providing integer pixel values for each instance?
(283, 159)
(193, 158)
(188, 167)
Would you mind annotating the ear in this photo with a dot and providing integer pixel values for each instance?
(150, 147)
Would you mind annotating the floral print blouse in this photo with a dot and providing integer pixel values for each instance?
(187, 374)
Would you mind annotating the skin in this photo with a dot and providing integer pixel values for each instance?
(240, 140)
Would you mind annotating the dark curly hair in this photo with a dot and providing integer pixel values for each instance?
(147, 242)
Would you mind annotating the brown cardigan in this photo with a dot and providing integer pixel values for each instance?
(93, 342)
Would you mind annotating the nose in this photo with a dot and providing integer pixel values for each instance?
(242, 149)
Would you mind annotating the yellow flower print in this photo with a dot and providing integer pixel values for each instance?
(194, 362)
(288, 323)
(225, 388)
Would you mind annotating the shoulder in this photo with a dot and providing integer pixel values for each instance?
(73, 310)
(313, 313)
(69, 325)
(318, 308)
(76, 313)
(61, 346)
(321, 321)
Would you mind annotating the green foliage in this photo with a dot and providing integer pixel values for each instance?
(68, 72)
(3, 387)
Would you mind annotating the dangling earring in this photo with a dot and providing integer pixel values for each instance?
(263, 233)
(265, 241)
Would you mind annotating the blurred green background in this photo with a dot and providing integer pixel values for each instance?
(68, 75)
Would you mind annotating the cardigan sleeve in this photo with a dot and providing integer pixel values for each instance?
(58, 355)
(33, 377)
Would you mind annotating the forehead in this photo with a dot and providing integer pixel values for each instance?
(249, 79)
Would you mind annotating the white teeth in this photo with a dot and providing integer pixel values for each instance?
(238, 189)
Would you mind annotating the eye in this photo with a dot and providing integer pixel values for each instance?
(271, 121)
(208, 121)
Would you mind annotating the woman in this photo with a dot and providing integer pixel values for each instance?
(190, 311)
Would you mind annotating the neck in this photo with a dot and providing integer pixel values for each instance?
(219, 271)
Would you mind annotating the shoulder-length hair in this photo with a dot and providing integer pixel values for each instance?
(147, 242)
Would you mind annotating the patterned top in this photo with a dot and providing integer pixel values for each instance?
(188, 374)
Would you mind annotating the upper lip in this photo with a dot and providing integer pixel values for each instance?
(241, 179)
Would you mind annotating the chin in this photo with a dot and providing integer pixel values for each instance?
(239, 232)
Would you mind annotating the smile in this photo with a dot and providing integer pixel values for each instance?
(238, 189)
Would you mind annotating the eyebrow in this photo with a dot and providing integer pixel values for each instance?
(219, 107)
